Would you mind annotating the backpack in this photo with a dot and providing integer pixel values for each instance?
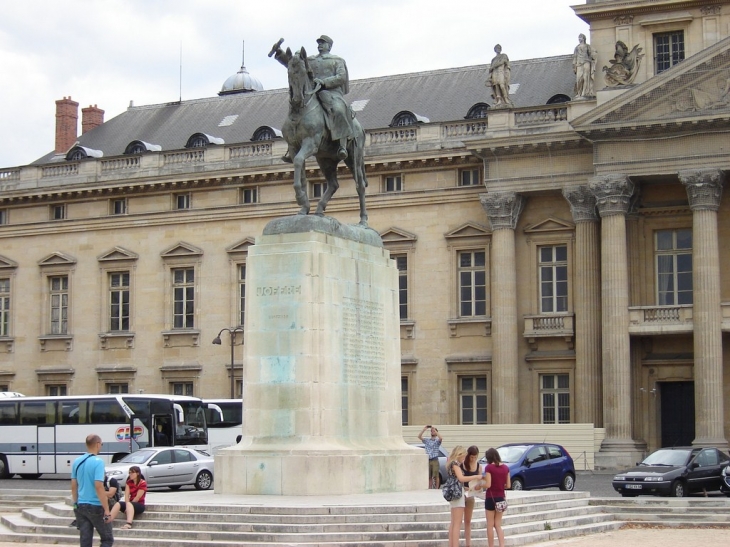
(117, 495)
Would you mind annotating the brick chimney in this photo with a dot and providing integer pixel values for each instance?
(67, 121)
(91, 118)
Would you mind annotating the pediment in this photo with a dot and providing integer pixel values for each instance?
(116, 254)
(550, 224)
(696, 89)
(182, 249)
(397, 235)
(7, 264)
(242, 246)
(57, 259)
(470, 229)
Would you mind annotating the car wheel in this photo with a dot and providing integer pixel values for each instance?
(203, 481)
(175, 487)
(679, 490)
(517, 484)
(568, 482)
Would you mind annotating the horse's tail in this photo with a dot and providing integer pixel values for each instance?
(358, 151)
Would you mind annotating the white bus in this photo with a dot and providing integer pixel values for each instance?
(46, 434)
(225, 422)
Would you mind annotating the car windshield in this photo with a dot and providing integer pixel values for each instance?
(668, 457)
(140, 456)
(511, 454)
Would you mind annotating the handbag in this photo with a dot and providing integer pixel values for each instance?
(452, 489)
(499, 506)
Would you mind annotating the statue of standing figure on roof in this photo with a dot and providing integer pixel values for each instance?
(499, 78)
(584, 66)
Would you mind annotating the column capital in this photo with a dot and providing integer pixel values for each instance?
(613, 193)
(582, 202)
(503, 209)
(704, 188)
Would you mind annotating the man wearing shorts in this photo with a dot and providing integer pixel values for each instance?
(432, 447)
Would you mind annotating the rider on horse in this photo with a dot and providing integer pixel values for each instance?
(330, 72)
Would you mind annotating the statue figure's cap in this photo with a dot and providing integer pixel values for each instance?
(325, 38)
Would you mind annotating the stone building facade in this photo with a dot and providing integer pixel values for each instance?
(563, 260)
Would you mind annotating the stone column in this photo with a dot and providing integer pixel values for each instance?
(704, 188)
(587, 291)
(613, 194)
(503, 209)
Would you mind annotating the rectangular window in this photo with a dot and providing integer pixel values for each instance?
(674, 267)
(118, 206)
(472, 283)
(183, 298)
(182, 201)
(401, 262)
(58, 212)
(318, 189)
(119, 301)
(473, 400)
(242, 293)
(3, 216)
(117, 388)
(469, 177)
(394, 183)
(59, 304)
(404, 399)
(250, 195)
(4, 307)
(56, 390)
(555, 398)
(182, 388)
(668, 50)
(553, 278)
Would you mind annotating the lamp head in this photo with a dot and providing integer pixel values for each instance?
(217, 340)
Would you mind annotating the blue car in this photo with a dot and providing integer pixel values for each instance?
(537, 465)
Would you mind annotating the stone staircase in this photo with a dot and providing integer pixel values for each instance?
(532, 518)
(678, 512)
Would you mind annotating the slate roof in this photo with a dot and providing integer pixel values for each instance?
(439, 95)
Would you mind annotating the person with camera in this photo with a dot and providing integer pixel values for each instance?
(432, 446)
(89, 497)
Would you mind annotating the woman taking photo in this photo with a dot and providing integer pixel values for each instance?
(453, 469)
(471, 470)
(134, 495)
(496, 476)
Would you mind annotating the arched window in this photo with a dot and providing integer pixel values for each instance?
(266, 133)
(477, 111)
(560, 98)
(197, 141)
(403, 119)
(76, 154)
(135, 147)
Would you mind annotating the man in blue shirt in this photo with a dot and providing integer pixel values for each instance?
(89, 496)
(432, 446)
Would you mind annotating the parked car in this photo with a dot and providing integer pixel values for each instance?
(674, 472)
(537, 465)
(725, 483)
(172, 467)
(444, 455)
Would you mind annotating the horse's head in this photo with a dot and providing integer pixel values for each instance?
(300, 78)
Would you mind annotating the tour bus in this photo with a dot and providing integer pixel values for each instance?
(46, 434)
(224, 418)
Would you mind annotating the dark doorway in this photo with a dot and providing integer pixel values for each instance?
(678, 413)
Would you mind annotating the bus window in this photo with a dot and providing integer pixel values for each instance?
(72, 412)
(8, 413)
(37, 413)
(106, 411)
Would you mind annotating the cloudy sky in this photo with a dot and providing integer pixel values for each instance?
(111, 52)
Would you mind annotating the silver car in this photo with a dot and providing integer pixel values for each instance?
(172, 467)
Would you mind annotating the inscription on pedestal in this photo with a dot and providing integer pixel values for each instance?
(363, 353)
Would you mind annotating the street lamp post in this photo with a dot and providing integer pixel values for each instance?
(217, 340)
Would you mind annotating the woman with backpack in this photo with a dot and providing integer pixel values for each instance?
(134, 494)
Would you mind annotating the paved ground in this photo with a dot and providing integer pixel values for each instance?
(643, 537)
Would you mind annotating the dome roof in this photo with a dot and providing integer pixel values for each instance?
(241, 82)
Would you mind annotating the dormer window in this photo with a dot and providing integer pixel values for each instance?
(201, 140)
(266, 133)
(477, 111)
(140, 147)
(78, 153)
(557, 99)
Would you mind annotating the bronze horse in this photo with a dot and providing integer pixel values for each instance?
(306, 133)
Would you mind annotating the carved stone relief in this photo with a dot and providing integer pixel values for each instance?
(613, 193)
(704, 188)
(503, 209)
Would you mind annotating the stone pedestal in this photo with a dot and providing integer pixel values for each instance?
(322, 400)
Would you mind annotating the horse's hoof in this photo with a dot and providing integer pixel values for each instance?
(363, 223)
(303, 212)
(318, 214)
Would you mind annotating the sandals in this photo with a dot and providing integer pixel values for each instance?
(127, 526)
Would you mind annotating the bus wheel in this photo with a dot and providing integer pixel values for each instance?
(4, 474)
(32, 476)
